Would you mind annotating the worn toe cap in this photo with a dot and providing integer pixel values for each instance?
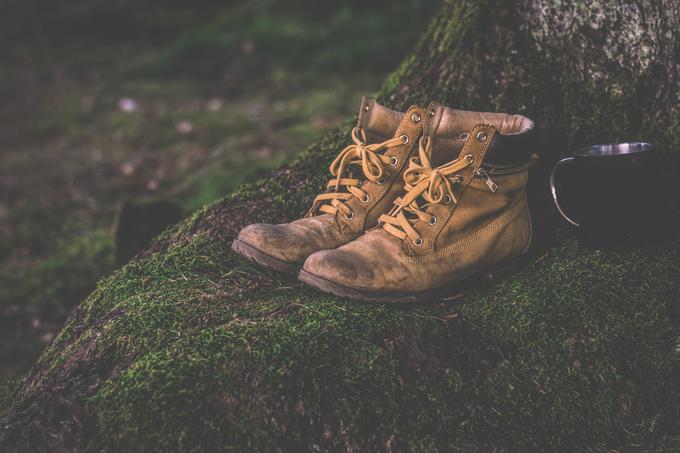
(342, 267)
(278, 241)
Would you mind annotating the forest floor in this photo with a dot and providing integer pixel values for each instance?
(101, 106)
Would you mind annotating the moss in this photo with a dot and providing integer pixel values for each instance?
(8, 388)
(70, 272)
(566, 355)
(45, 293)
(191, 348)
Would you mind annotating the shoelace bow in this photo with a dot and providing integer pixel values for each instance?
(423, 184)
(358, 153)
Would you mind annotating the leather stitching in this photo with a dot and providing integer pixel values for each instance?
(472, 146)
(490, 227)
(402, 162)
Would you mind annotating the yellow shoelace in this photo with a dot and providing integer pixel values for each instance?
(357, 154)
(423, 184)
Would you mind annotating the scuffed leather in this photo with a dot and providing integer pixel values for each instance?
(293, 242)
(382, 196)
(378, 261)
(379, 122)
(483, 229)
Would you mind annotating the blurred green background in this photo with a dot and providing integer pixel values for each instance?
(117, 101)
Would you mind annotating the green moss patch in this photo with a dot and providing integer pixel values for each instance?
(574, 352)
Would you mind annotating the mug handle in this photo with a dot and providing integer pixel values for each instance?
(553, 189)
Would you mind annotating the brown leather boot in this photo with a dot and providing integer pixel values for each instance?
(455, 219)
(367, 178)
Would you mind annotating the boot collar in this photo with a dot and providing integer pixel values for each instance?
(449, 129)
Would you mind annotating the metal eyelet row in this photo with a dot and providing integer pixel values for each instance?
(447, 200)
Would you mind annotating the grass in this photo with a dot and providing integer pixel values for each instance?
(34, 309)
(8, 388)
(224, 93)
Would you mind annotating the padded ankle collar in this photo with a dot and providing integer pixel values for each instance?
(513, 144)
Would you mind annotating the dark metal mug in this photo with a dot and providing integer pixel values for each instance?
(614, 190)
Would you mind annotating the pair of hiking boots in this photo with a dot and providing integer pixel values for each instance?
(419, 202)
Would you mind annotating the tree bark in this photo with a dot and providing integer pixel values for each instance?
(187, 347)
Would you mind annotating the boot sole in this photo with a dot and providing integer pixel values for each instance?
(505, 269)
(262, 259)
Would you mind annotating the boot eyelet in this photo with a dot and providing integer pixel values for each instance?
(416, 117)
(481, 136)
(433, 221)
(367, 108)
(469, 158)
(418, 242)
(464, 136)
(366, 198)
(350, 216)
(404, 139)
(380, 181)
(393, 161)
(448, 199)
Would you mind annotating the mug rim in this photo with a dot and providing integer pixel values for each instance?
(604, 149)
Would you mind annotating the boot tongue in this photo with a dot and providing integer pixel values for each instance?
(379, 122)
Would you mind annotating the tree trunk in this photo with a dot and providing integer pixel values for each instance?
(190, 348)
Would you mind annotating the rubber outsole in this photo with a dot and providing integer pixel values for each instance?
(405, 297)
(262, 259)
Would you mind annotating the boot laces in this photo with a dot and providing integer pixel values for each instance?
(424, 186)
(358, 154)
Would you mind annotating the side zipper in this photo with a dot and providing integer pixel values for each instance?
(499, 171)
(481, 173)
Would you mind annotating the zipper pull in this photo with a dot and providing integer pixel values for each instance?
(481, 173)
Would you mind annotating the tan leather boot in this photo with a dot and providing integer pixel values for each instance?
(454, 220)
(367, 178)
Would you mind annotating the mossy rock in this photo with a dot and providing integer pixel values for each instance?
(189, 348)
